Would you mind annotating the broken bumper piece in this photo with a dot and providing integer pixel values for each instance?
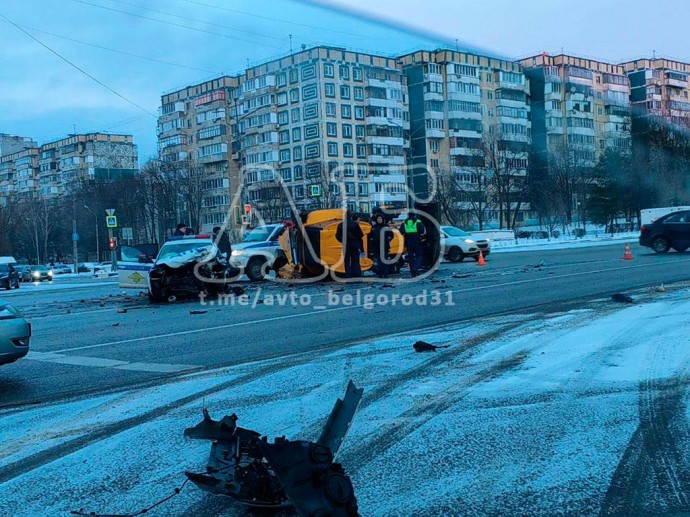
(243, 465)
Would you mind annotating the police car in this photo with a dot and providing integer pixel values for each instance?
(259, 252)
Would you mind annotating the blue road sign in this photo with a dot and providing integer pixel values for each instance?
(75, 236)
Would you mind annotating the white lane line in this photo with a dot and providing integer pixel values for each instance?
(355, 306)
(100, 362)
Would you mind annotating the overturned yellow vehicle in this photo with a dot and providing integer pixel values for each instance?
(313, 250)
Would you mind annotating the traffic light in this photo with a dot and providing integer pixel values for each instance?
(112, 243)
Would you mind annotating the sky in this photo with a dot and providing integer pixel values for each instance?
(136, 50)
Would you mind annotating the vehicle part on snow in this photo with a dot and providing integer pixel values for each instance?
(622, 298)
(243, 464)
(423, 346)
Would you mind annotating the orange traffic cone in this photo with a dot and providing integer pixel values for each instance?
(481, 261)
(627, 255)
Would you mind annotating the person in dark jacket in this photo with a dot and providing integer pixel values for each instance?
(222, 242)
(413, 230)
(181, 230)
(380, 245)
(351, 236)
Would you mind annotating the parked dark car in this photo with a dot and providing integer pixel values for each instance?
(9, 276)
(666, 232)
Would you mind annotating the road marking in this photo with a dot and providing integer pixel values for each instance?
(354, 306)
(100, 362)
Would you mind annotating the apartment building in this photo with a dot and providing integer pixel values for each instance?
(194, 130)
(463, 106)
(86, 156)
(10, 144)
(580, 108)
(314, 116)
(47, 171)
(659, 89)
(18, 175)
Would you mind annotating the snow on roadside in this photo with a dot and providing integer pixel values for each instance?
(522, 414)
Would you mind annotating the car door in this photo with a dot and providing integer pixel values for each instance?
(677, 227)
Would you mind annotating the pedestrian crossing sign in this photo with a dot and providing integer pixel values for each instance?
(111, 221)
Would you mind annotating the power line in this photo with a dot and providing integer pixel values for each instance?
(175, 24)
(329, 29)
(199, 21)
(76, 66)
(121, 51)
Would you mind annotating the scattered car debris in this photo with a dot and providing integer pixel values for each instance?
(101, 304)
(660, 289)
(423, 346)
(243, 464)
(622, 298)
(197, 312)
(122, 311)
(116, 324)
(466, 275)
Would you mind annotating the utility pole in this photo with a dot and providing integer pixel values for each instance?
(98, 251)
(75, 251)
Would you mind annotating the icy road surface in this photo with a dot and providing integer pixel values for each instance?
(580, 413)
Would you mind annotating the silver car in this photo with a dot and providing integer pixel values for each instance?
(15, 333)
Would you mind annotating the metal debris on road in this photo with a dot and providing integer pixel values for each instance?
(423, 346)
(244, 466)
(198, 312)
(122, 311)
(622, 298)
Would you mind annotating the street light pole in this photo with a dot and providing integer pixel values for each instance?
(98, 251)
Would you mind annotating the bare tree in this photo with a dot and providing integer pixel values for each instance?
(464, 196)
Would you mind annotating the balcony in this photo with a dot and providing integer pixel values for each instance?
(505, 85)
(386, 159)
(388, 197)
(384, 103)
(218, 157)
(464, 96)
(385, 140)
(465, 115)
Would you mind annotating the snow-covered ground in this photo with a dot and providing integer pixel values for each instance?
(563, 242)
(579, 412)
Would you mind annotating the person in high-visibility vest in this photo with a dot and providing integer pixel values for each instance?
(413, 231)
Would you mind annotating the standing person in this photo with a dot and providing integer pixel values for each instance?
(181, 230)
(380, 245)
(350, 235)
(413, 230)
(222, 242)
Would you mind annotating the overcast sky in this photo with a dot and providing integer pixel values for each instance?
(142, 48)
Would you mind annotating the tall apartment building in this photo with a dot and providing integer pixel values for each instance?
(194, 130)
(302, 118)
(10, 144)
(460, 105)
(580, 107)
(47, 171)
(659, 89)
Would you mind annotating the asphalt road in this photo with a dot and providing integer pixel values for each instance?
(82, 344)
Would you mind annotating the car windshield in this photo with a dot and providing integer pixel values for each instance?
(452, 231)
(259, 234)
(39, 268)
(170, 250)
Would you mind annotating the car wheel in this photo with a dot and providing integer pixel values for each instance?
(660, 245)
(680, 249)
(455, 254)
(257, 269)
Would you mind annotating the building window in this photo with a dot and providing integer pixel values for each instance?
(347, 151)
(309, 92)
(281, 80)
(308, 72)
(434, 163)
(285, 155)
(433, 146)
(329, 90)
(284, 136)
(328, 70)
(361, 151)
(359, 93)
(363, 189)
(345, 92)
(357, 74)
(490, 95)
(296, 134)
(347, 130)
(294, 95)
(297, 153)
(283, 117)
(294, 114)
(282, 99)
(346, 111)
(331, 109)
(311, 131)
(359, 113)
(312, 150)
(344, 71)
(332, 149)
(298, 191)
(286, 174)
(293, 76)
(350, 188)
(331, 129)
(298, 172)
